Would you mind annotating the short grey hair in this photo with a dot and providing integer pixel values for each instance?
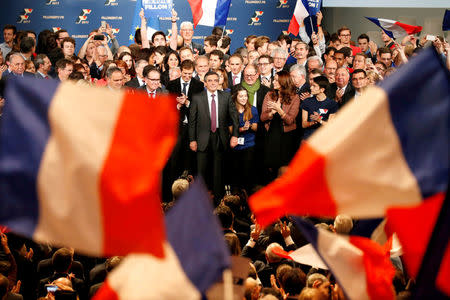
(279, 50)
(315, 57)
(39, 60)
(102, 47)
(269, 252)
(186, 24)
(343, 224)
(313, 277)
(112, 70)
(298, 68)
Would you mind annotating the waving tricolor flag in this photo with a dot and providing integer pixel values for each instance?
(303, 9)
(389, 150)
(210, 12)
(80, 166)
(395, 29)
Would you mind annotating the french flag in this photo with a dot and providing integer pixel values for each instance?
(303, 9)
(80, 166)
(210, 12)
(395, 153)
(395, 29)
(196, 256)
(361, 266)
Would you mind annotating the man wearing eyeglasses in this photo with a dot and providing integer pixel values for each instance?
(187, 32)
(345, 36)
(60, 35)
(265, 66)
(152, 79)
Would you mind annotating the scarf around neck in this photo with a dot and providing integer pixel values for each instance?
(251, 89)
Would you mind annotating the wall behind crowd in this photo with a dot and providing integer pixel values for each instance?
(260, 17)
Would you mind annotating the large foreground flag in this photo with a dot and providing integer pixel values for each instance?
(446, 20)
(361, 266)
(210, 12)
(303, 9)
(196, 256)
(395, 29)
(390, 148)
(80, 166)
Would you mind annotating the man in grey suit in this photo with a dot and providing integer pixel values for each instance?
(152, 79)
(210, 115)
(43, 66)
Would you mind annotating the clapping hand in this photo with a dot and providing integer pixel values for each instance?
(315, 116)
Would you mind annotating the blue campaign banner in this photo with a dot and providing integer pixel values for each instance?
(258, 17)
(314, 6)
(157, 8)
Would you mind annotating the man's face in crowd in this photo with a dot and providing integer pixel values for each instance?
(297, 78)
(345, 37)
(153, 80)
(264, 66)
(68, 49)
(313, 64)
(102, 55)
(301, 51)
(159, 40)
(140, 67)
(31, 35)
(386, 59)
(380, 68)
(116, 81)
(279, 60)
(250, 75)
(235, 65)
(17, 65)
(202, 66)
(8, 35)
(47, 65)
(340, 59)
(212, 83)
(61, 36)
(186, 74)
(208, 48)
(363, 44)
(187, 32)
(329, 56)
(342, 77)
(330, 69)
(263, 49)
(63, 74)
(359, 62)
(186, 54)
(214, 62)
(311, 78)
(359, 80)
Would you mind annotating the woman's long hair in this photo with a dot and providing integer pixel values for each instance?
(247, 108)
(286, 88)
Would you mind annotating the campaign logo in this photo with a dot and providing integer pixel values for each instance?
(82, 18)
(52, 2)
(55, 29)
(25, 16)
(229, 31)
(282, 4)
(115, 30)
(322, 111)
(255, 19)
(111, 2)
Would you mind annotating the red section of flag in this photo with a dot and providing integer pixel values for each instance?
(444, 272)
(410, 29)
(106, 292)
(197, 11)
(130, 185)
(414, 227)
(302, 190)
(294, 27)
(378, 267)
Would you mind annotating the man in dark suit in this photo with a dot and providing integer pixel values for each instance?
(16, 66)
(43, 66)
(342, 90)
(138, 81)
(236, 64)
(152, 79)
(184, 88)
(211, 113)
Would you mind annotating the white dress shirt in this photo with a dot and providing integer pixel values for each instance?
(216, 99)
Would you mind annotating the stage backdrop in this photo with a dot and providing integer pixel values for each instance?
(79, 17)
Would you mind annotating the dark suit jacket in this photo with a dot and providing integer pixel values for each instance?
(195, 87)
(230, 79)
(45, 269)
(158, 90)
(133, 83)
(348, 94)
(197, 47)
(39, 76)
(200, 119)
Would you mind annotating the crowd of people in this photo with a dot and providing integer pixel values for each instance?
(243, 115)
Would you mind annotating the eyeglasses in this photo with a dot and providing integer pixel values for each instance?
(250, 75)
(153, 79)
(345, 35)
(263, 64)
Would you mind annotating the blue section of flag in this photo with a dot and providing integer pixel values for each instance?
(376, 22)
(196, 236)
(419, 100)
(446, 21)
(222, 8)
(24, 133)
(313, 6)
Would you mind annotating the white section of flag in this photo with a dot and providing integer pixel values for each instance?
(209, 13)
